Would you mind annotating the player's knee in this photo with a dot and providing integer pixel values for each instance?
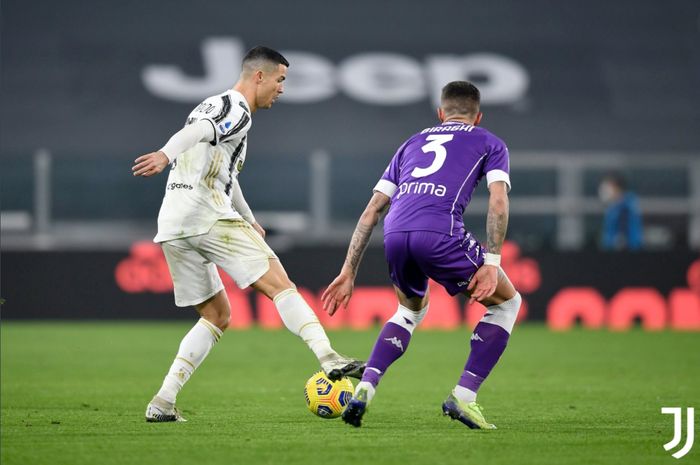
(224, 320)
(415, 317)
(216, 310)
(273, 283)
(220, 319)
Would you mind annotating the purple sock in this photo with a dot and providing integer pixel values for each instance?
(391, 344)
(488, 343)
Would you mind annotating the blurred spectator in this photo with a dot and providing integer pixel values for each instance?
(622, 225)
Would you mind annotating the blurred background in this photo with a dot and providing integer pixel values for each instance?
(599, 103)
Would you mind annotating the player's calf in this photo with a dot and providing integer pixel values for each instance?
(488, 342)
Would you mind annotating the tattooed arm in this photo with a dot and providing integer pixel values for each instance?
(497, 217)
(340, 290)
(484, 282)
(363, 231)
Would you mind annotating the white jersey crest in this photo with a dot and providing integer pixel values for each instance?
(198, 192)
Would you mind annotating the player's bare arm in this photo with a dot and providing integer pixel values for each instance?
(259, 229)
(485, 280)
(241, 206)
(340, 290)
(363, 231)
(497, 217)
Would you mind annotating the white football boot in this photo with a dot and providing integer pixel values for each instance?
(337, 366)
(159, 411)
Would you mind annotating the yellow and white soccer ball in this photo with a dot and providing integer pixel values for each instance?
(327, 398)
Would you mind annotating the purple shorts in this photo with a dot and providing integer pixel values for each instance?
(415, 256)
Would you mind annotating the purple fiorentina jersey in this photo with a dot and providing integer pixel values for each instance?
(432, 176)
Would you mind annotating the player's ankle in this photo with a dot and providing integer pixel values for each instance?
(464, 394)
(365, 391)
(162, 403)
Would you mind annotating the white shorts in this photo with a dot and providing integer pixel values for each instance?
(231, 244)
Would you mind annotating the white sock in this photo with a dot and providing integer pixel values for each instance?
(464, 394)
(366, 385)
(194, 348)
(504, 314)
(408, 319)
(302, 321)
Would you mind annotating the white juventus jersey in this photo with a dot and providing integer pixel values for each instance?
(198, 192)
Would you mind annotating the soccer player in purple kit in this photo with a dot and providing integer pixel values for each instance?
(428, 183)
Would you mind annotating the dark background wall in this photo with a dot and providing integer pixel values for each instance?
(98, 83)
(601, 75)
(86, 80)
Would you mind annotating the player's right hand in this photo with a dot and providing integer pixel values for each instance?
(483, 284)
(150, 164)
(337, 293)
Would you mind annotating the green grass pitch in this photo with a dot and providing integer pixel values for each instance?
(75, 393)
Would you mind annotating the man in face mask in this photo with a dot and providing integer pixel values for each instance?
(622, 224)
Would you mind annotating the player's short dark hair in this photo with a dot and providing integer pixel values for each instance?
(460, 98)
(265, 53)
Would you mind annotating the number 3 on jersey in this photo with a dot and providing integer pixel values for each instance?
(436, 145)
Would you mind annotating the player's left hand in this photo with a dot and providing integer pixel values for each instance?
(150, 164)
(483, 284)
(337, 293)
(259, 229)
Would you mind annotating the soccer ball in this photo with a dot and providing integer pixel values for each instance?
(327, 398)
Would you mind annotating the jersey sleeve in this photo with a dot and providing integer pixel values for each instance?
(187, 137)
(389, 181)
(226, 117)
(497, 165)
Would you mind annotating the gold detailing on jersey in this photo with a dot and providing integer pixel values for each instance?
(217, 196)
(212, 174)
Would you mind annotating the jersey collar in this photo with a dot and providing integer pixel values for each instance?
(242, 99)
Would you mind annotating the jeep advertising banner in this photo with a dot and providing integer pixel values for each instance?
(597, 290)
(117, 78)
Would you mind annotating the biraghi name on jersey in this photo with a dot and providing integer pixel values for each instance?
(449, 128)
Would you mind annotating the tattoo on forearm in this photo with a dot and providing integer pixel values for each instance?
(363, 231)
(496, 226)
(358, 244)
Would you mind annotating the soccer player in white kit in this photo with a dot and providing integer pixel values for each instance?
(204, 221)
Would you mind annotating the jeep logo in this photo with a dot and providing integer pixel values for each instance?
(374, 78)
